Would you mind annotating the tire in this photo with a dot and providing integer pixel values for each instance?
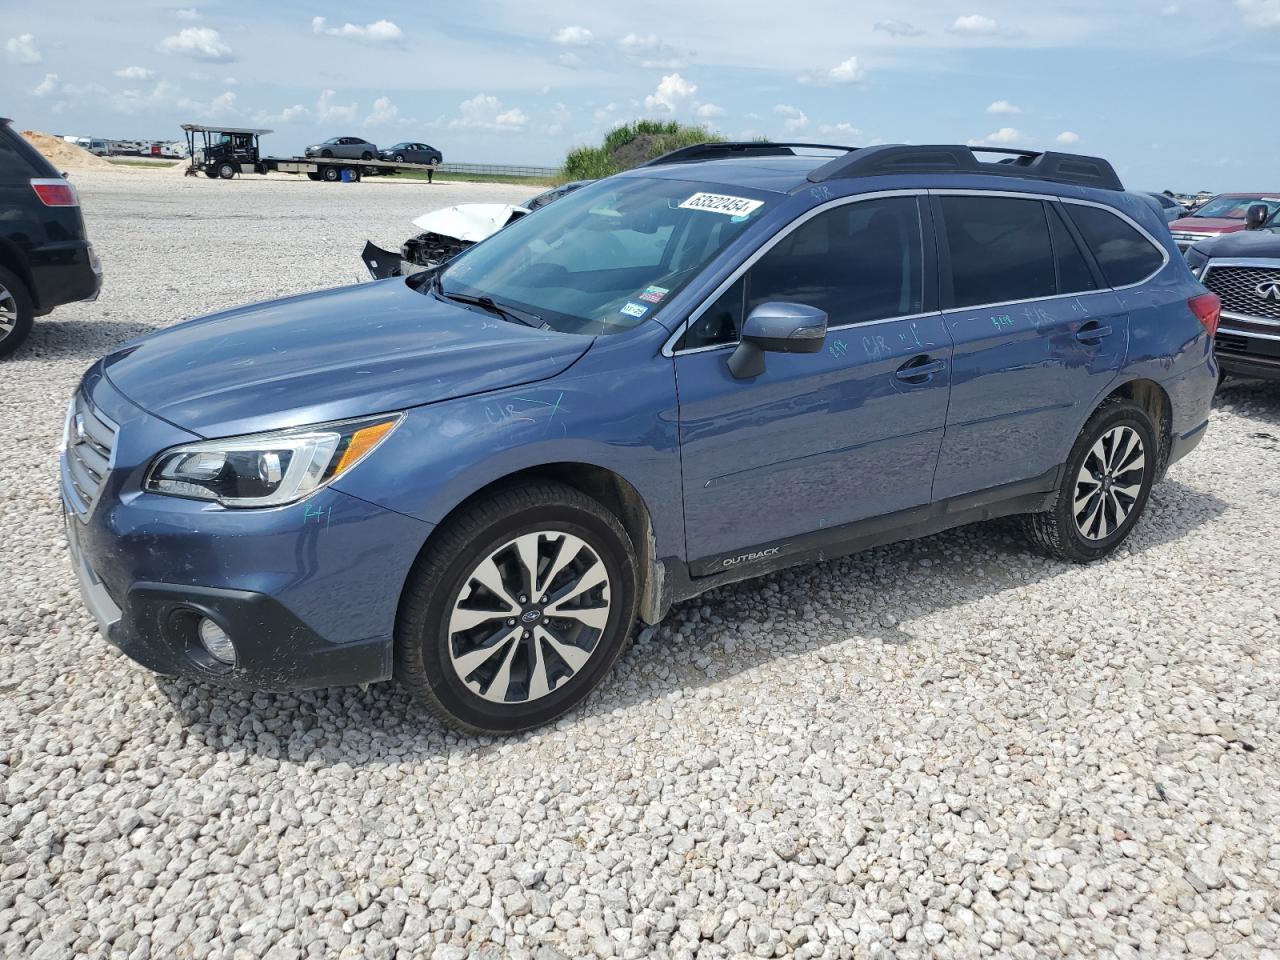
(326, 154)
(1107, 513)
(211, 173)
(366, 155)
(16, 312)
(226, 171)
(399, 158)
(440, 645)
(330, 174)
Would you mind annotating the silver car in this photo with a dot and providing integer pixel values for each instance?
(344, 148)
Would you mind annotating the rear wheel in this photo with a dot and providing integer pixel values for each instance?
(1104, 488)
(517, 610)
(16, 312)
(366, 155)
(330, 173)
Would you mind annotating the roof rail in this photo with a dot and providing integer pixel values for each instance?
(1026, 164)
(740, 148)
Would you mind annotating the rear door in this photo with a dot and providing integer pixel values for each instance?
(1037, 333)
(818, 440)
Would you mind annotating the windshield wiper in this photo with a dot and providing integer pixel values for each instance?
(506, 312)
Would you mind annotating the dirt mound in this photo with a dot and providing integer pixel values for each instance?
(638, 151)
(63, 155)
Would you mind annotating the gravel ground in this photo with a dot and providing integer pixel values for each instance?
(948, 748)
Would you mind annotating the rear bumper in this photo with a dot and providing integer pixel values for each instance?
(64, 273)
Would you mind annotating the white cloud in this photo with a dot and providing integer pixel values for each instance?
(1001, 137)
(847, 71)
(1003, 106)
(187, 13)
(569, 59)
(382, 33)
(198, 43)
(135, 73)
(651, 52)
(1067, 136)
(975, 25)
(1260, 13)
(709, 111)
(848, 129)
(47, 86)
(384, 111)
(794, 119)
(22, 49)
(898, 28)
(287, 115)
(485, 112)
(573, 37)
(223, 105)
(672, 93)
(328, 109)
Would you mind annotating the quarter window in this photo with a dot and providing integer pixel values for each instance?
(999, 249)
(1074, 275)
(859, 262)
(1124, 254)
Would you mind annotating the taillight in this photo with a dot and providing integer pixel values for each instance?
(1208, 310)
(55, 192)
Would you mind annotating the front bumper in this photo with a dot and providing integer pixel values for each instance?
(1248, 348)
(308, 592)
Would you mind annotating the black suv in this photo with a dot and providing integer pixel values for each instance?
(46, 258)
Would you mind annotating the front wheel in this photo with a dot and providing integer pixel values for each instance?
(226, 171)
(1105, 485)
(517, 609)
(399, 158)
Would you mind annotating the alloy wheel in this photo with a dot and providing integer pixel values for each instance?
(1109, 483)
(529, 617)
(8, 312)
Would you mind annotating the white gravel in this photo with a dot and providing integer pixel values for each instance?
(949, 748)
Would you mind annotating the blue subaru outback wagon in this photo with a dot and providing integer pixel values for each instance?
(736, 358)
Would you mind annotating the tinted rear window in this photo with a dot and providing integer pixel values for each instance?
(1000, 250)
(1124, 254)
(18, 159)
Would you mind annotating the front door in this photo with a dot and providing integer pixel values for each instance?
(1037, 338)
(820, 440)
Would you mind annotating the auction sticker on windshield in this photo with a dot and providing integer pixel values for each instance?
(720, 203)
(634, 309)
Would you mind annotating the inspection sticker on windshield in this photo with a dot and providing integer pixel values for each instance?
(654, 294)
(634, 309)
(719, 203)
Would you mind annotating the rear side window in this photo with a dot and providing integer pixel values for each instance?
(18, 159)
(1074, 275)
(999, 248)
(1124, 254)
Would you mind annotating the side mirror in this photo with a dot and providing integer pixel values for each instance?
(1256, 216)
(777, 328)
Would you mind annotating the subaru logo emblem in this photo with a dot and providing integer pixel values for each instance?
(1268, 290)
(529, 616)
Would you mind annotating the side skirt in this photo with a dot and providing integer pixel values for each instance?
(684, 581)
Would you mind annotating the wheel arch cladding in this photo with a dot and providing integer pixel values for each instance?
(1155, 400)
(611, 491)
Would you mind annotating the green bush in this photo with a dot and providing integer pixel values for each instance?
(630, 145)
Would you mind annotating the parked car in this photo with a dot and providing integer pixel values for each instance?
(1244, 270)
(46, 258)
(343, 148)
(728, 361)
(1170, 208)
(1225, 213)
(412, 153)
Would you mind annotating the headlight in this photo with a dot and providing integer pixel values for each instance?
(267, 469)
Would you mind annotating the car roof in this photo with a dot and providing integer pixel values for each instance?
(775, 174)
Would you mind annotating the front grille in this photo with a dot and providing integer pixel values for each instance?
(91, 441)
(1231, 343)
(1184, 239)
(1238, 288)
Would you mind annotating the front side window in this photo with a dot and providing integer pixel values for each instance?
(1000, 250)
(1124, 254)
(858, 262)
(608, 256)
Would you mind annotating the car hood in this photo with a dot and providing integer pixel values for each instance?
(1207, 225)
(331, 355)
(1250, 244)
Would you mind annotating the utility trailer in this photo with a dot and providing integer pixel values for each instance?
(225, 152)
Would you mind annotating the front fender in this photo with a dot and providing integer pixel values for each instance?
(610, 410)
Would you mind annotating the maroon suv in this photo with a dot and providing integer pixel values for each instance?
(1225, 213)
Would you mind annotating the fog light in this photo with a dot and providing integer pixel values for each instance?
(215, 640)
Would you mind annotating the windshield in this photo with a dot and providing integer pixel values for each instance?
(1234, 208)
(607, 256)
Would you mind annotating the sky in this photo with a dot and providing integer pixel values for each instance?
(1178, 94)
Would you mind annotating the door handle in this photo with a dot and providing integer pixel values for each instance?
(919, 369)
(1092, 332)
